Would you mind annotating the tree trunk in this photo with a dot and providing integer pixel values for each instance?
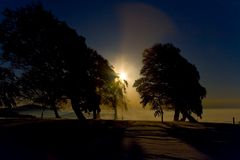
(114, 105)
(189, 117)
(76, 108)
(176, 114)
(54, 108)
(94, 114)
(43, 109)
(98, 115)
(56, 112)
(183, 118)
(162, 117)
(115, 113)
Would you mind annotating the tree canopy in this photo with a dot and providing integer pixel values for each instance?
(169, 81)
(54, 61)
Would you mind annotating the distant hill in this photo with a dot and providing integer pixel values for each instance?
(30, 107)
(11, 113)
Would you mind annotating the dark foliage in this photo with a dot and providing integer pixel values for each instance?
(8, 89)
(169, 80)
(54, 60)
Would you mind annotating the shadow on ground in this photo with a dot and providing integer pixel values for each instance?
(59, 140)
(218, 141)
(116, 140)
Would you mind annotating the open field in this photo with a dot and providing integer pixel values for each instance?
(71, 139)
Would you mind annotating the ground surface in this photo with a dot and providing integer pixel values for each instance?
(70, 139)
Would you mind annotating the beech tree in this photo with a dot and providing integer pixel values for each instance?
(169, 81)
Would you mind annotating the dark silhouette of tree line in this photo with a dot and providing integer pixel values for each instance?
(44, 60)
(50, 61)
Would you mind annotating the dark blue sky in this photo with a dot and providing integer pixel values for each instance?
(207, 32)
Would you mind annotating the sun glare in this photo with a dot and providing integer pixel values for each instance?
(123, 76)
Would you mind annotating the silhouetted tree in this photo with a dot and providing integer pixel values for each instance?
(54, 60)
(114, 94)
(170, 81)
(35, 87)
(33, 41)
(8, 88)
(110, 89)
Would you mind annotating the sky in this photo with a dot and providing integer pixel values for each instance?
(206, 31)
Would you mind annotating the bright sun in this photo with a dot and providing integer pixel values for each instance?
(123, 76)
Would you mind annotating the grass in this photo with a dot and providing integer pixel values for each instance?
(104, 139)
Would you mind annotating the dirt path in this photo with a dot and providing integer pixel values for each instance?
(142, 141)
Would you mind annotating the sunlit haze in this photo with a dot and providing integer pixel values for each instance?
(207, 32)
